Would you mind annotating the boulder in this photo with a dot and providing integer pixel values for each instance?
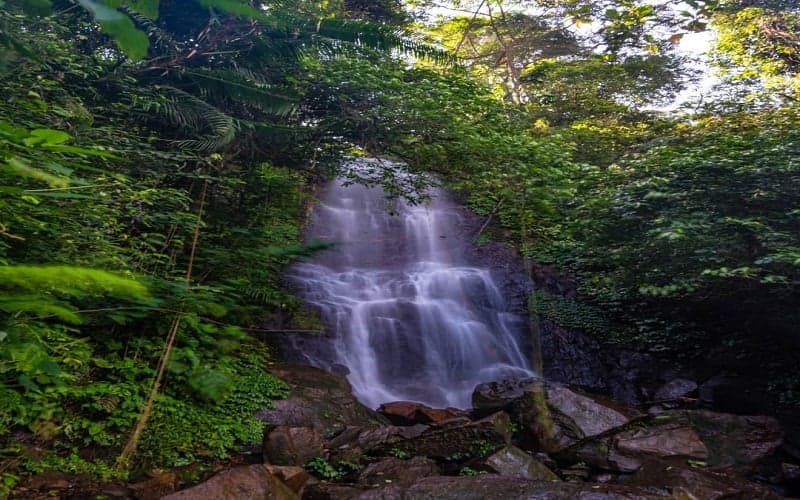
(294, 477)
(718, 439)
(733, 440)
(318, 399)
(354, 442)
(394, 470)
(577, 359)
(331, 491)
(675, 389)
(240, 483)
(155, 487)
(681, 481)
(553, 416)
(664, 441)
(453, 442)
(284, 445)
(380, 437)
(493, 396)
(591, 414)
(490, 487)
(412, 413)
(511, 461)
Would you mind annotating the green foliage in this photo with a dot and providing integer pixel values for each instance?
(72, 464)
(183, 432)
(569, 313)
(320, 467)
(482, 448)
(156, 160)
(104, 153)
(469, 471)
(761, 43)
(399, 453)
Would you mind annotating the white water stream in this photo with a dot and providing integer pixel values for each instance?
(411, 319)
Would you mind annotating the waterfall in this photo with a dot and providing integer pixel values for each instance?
(409, 317)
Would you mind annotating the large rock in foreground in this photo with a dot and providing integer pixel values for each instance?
(240, 483)
(511, 461)
(489, 487)
(455, 439)
(318, 399)
(717, 439)
(284, 445)
(395, 471)
(552, 416)
(682, 481)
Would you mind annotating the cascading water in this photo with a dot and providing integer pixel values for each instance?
(410, 319)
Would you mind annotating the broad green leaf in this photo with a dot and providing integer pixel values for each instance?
(134, 43)
(21, 167)
(49, 136)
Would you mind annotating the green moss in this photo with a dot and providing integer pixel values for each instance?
(569, 313)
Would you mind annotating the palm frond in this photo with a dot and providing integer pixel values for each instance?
(196, 115)
(357, 33)
(381, 37)
(243, 86)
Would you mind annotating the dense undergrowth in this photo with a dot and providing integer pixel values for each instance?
(156, 165)
(143, 221)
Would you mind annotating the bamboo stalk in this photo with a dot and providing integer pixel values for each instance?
(123, 461)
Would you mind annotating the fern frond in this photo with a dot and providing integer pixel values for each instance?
(243, 86)
(194, 114)
(382, 38)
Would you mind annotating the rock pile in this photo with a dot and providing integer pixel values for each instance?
(523, 439)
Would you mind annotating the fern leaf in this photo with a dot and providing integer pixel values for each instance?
(243, 86)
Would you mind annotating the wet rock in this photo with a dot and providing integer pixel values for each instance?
(455, 442)
(394, 470)
(633, 377)
(733, 440)
(489, 487)
(284, 445)
(665, 441)
(572, 357)
(591, 414)
(239, 483)
(577, 473)
(331, 491)
(411, 413)
(721, 440)
(155, 487)
(626, 451)
(118, 491)
(553, 416)
(293, 477)
(318, 399)
(381, 437)
(707, 389)
(499, 395)
(47, 481)
(511, 461)
(675, 389)
(680, 481)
